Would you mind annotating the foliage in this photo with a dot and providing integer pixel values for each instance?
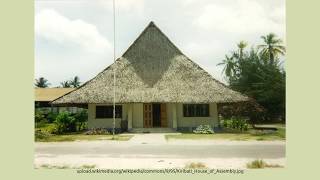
(41, 135)
(41, 83)
(272, 47)
(50, 128)
(65, 122)
(65, 84)
(39, 117)
(203, 129)
(51, 116)
(237, 124)
(259, 164)
(256, 164)
(75, 82)
(97, 131)
(81, 118)
(259, 75)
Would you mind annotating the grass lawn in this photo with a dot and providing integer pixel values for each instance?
(245, 136)
(76, 136)
(82, 137)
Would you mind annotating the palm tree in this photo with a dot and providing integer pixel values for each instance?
(41, 82)
(65, 84)
(229, 66)
(241, 46)
(75, 82)
(272, 47)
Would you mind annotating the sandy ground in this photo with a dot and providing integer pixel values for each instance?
(75, 161)
(152, 151)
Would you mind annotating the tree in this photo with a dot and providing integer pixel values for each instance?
(42, 83)
(272, 47)
(65, 84)
(75, 82)
(229, 66)
(241, 46)
(252, 76)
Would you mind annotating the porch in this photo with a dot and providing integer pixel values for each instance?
(152, 117)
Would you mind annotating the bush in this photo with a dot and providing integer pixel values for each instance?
(97, 131)
(51, 128)
(39, 117)
(51, 117)
(237, 124)
(81, 119)
(65, 122)
(203, 129)
(256, 164)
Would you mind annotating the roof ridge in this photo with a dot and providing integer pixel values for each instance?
(151, 24)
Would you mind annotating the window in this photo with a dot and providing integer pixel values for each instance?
(196, 110)
(107, 111)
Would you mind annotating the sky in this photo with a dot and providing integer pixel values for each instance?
(75, 37)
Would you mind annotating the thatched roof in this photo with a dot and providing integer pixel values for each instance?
(153, 69)
(50, 94)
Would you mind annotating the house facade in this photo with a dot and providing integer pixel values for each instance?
(153, 115)
(157, 86)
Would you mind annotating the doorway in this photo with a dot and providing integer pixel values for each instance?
(154, 115)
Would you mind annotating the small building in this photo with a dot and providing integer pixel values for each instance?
(157, 86)
(43, 97)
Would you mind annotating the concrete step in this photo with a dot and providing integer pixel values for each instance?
(152, 130)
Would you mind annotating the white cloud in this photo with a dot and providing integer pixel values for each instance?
(241, 17)
(124, 5)
(51, 25)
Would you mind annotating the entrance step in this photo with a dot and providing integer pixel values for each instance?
(152, 130)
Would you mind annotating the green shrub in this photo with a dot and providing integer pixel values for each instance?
(51, 117)
(259, 164)
(65, 122)
(51, 128)
(256, 164)
(81, 119)
(39, 117)
(237, 124)
(203, 129)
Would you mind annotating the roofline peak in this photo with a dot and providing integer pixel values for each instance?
(151, 23)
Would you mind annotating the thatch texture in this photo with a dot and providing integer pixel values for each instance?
(153, 69)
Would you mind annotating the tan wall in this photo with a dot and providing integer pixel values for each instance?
(105, 122)
(169, 114)
(196, 121)
(137, 117)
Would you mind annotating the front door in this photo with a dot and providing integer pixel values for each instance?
(154, 115)
(147, 115)
(163, 115)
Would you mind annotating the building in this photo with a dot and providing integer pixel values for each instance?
(156, 86)
(43, 97)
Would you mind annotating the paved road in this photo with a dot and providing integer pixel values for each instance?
(126, 150)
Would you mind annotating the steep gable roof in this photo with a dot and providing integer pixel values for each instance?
(153, 69)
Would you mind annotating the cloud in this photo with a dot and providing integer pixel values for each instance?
(241, 17)
(124, 5)
(51, 25)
